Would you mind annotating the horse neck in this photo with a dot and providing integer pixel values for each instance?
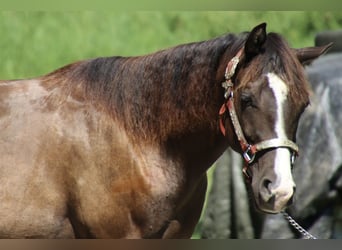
(178, 94)
(170, 98)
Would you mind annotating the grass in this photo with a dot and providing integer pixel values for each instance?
(35, 43)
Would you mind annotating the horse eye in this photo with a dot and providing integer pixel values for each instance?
(246, 101)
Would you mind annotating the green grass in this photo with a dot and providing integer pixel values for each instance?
(35, 43)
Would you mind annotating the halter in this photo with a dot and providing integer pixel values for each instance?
(248, 150)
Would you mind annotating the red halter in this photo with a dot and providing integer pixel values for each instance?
(248, 150)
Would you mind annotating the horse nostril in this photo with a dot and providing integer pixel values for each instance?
(266, 185)
(265, 191)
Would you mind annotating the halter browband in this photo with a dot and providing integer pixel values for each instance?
(248, 150)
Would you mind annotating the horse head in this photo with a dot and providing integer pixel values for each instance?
(266, 93)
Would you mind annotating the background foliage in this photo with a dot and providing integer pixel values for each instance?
(35, 43)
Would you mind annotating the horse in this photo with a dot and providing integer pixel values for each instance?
(119, 147)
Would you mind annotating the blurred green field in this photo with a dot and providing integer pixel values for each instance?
(35, 43)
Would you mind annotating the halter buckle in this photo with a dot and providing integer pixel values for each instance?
(228, 85)
(248, 155)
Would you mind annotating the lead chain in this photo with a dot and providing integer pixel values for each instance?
(298, 227)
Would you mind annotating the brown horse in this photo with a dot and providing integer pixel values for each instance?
(119, 147)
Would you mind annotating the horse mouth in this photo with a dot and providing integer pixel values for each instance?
(268, 210)
(274, 204)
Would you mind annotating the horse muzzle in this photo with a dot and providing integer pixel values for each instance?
(274, 198)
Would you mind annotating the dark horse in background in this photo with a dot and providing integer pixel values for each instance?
(119, 147)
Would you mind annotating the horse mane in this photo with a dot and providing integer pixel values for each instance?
(156, 94)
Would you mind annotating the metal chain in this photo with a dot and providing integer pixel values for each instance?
(298, 227)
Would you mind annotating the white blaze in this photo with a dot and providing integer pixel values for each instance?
(282, 164)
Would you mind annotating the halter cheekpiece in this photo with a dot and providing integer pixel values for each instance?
(249, 151)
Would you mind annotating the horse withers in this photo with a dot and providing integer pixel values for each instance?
(119, 147)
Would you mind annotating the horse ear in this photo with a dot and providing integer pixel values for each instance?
(255, 40)
(307, 55)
